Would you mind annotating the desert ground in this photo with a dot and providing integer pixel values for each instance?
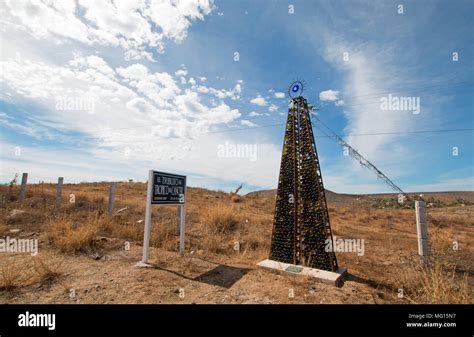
(87, 256)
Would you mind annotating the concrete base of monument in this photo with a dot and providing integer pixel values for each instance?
(329, 277)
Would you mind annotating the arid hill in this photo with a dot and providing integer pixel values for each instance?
(442, 198)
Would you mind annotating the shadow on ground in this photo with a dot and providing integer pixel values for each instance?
(373, 284)
(222, 276)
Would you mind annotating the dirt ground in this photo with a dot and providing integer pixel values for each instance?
(212, 270)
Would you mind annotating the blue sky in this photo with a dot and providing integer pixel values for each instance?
(107, 90)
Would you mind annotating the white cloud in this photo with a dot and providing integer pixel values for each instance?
(173, 17)
(365, 75)
(248, 123)
(181, 72)
(126, 96)
(202, 89)
(254, 114)
(162, 122)
(127, 116)
(272, 108)
(238, 88)
(158, 87)
(128, 24)
(197, 159)
(454, 184)
(259, 100)
(134, 72)
(328, 95)
(46, 20)
(280, 94)
(222, 94)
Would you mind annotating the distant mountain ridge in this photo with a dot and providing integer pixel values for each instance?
(343, 198)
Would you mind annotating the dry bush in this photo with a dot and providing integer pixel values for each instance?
(47, 268)
(12, 275)
(164, 237)
(443, 220)
(82, 201)
(3, 229)
(213, 243)
(216, 224)
(441, 240)
(68, 237)
(236, 198)
(255, 248)
(219, 219)
(127, 231)
(118, 227)
(255, 242)
(437, 282)
(98, 200)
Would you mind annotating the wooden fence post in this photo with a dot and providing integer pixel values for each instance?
(59, 191)
(24, 179)
(111, 198)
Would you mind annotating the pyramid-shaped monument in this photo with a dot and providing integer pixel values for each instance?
(301, 227)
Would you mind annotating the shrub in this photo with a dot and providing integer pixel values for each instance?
(69, 238)
(434, 283)
(47, 268)
(220, 219)
(11, 276)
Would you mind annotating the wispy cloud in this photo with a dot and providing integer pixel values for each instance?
(259, 100)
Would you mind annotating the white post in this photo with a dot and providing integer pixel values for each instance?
(111, 198)
(182, 229)
(179, 218)
(59, 191)
(146, 235)
(422, 229)
(24, 178)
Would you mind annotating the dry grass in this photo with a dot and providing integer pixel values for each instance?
(47, 268)
(436, 283)
(164, 237)
(3, 229)
(214, 222)
(19, 270)
(69, 237)
(439, 279)
(216, 227)
(220, 219)
(236, 198)
(11, 275)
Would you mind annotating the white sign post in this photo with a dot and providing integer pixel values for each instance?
(182, 228)
(164, 189)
